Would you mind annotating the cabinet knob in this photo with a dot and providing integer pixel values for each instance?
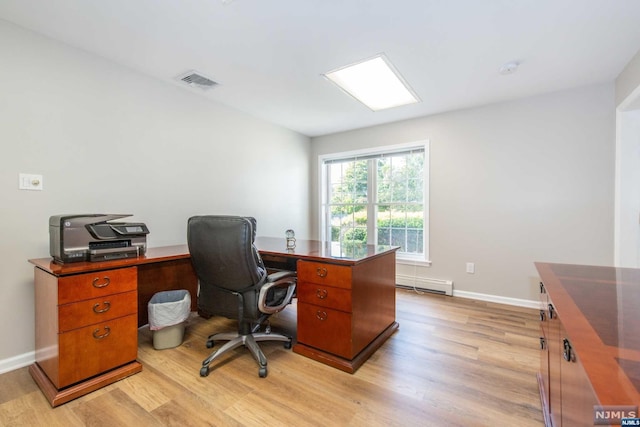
(106, 304)
(321, 293)
(96, 282)
(96, 333)
(321, 271)
(321, 315)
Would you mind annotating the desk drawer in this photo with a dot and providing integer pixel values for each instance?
(96, 284)
(325, 296)
(88, 312)
(94, 349)
(324, 274)
(325, 329)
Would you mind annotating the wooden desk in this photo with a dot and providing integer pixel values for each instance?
(590, 341)
(87, 313)
(346, 298)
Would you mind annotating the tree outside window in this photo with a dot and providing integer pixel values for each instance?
(377, 199)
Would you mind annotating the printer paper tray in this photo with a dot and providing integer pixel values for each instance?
(113, 253)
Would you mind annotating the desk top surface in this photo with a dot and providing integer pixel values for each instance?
(322, 251)
(599, 308)
(305, 249)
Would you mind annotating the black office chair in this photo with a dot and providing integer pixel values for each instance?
(230, 271)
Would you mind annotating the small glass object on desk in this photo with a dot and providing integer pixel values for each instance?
(291, 239)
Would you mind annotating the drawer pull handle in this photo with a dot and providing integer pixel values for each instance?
(107, 306)
(552, 311)
(96, 283)
(567, 352)
(542, 315)
(321, 293)
(321, 315)
(321, 271)
(107, 331)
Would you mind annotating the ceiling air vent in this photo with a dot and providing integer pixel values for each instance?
(196, 79)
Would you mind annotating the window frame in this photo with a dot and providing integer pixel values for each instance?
(323, 190)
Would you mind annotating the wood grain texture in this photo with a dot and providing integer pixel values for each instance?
(453, 362)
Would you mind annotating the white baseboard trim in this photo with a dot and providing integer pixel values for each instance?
(17, 362)
(497, 299)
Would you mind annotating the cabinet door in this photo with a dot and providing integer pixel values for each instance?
(87, 312)
(555, 359)
(96, 284)
(578, 398)
(544, 351)
(95, 349)
(321, 273)
(326, 296)
(325, 329)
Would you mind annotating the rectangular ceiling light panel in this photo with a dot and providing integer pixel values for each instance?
(375, 83)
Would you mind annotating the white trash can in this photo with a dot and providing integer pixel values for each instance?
(168, 312)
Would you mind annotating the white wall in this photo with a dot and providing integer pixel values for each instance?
(109, 140)
(627, 227)
(511, 183)
(627, 213)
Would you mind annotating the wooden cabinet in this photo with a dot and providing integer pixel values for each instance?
(590, 345)
(324, 308)
(86, 331)
(345, 311)
(545, 342)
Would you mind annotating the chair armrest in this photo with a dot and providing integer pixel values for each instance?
(280, 279)
(274, 277)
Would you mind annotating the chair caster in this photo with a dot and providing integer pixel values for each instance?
(204, 371)
(287, 345)
(210, 343)
(262, 373)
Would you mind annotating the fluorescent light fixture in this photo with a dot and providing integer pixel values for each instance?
(375, 83)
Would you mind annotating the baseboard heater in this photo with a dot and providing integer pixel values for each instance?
(425, 284)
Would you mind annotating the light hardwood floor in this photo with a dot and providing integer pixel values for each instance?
(453, 362)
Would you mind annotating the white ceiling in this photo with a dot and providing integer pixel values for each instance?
(268, 55)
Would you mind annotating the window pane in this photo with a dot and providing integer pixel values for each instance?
(414, 241)
(398, 236)
(349, 228)
(394, 195)
(415, 190)
(399, 192)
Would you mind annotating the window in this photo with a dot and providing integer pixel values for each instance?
(377, 197)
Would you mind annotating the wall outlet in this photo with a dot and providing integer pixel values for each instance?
(471, 268)
(29, 181)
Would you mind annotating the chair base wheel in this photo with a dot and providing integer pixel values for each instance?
(262, 373)
(210, 343)
(287, 345)
(204, 371)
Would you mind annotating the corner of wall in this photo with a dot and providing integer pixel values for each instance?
(628, 80)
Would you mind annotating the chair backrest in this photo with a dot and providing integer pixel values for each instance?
(222, 251)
